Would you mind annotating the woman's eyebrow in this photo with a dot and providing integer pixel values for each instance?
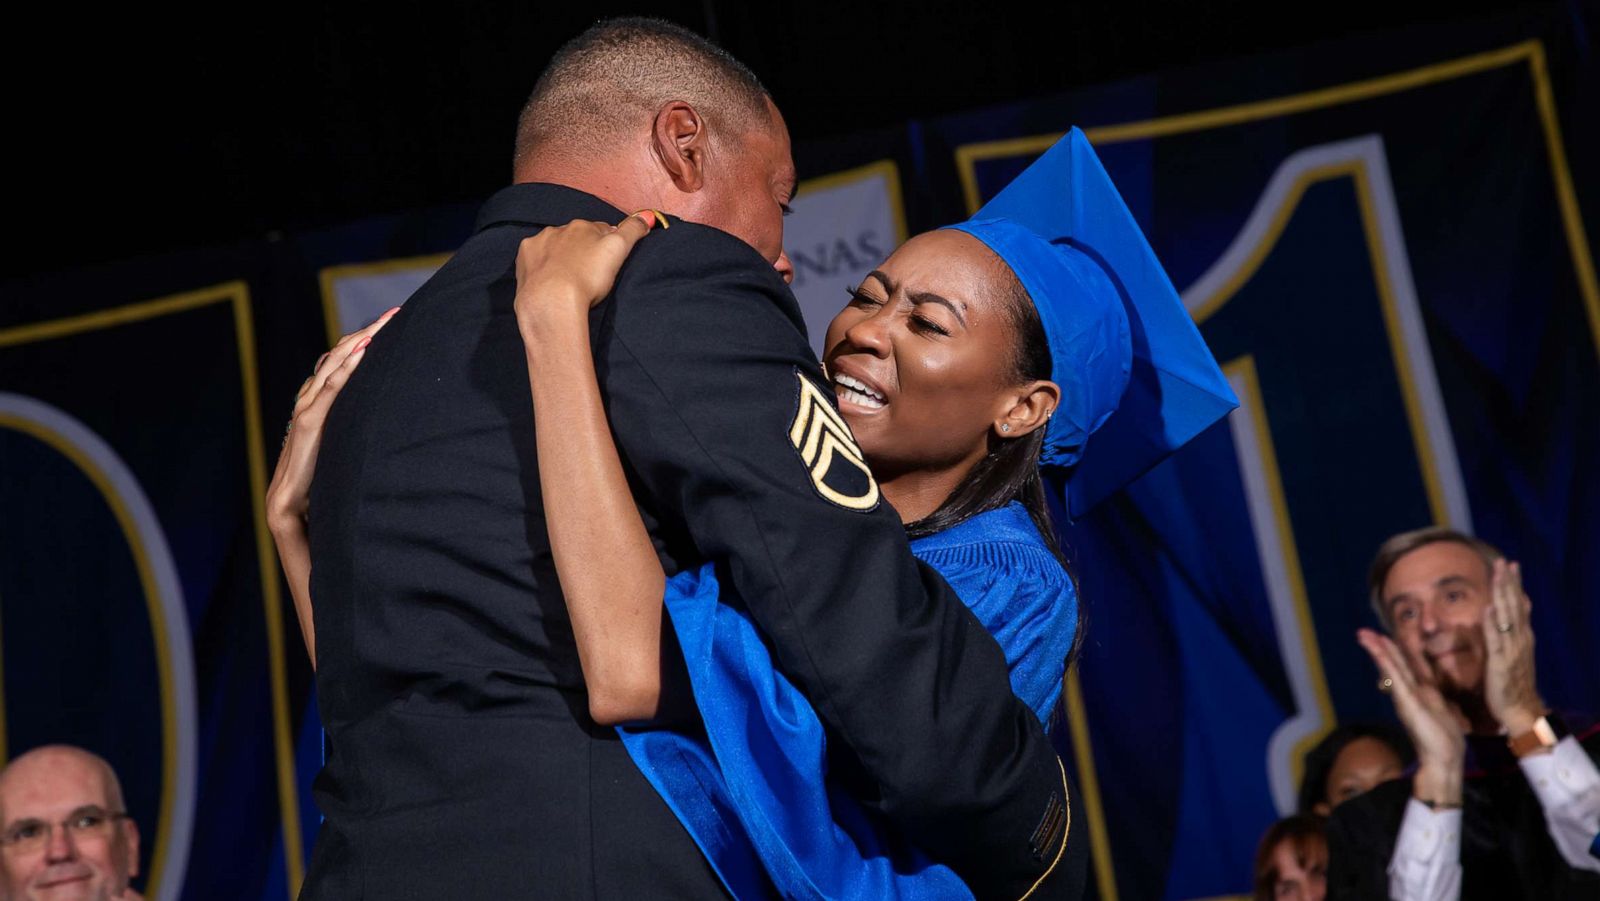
(928, 297)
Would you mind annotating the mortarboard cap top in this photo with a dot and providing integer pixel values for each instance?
(1133, 370)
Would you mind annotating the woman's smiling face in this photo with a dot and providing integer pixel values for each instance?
(923, 357)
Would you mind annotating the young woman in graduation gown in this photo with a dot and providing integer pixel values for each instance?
(970, 358)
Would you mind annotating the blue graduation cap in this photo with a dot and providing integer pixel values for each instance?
(1133, 371)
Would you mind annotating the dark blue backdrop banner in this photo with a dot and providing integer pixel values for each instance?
(1383, 242)
(1394, 275)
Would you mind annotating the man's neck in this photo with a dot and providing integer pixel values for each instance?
(609, 180)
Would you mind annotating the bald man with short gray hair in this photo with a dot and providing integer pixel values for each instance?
(65, 832)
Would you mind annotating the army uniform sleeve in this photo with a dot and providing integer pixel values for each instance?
(723, 420)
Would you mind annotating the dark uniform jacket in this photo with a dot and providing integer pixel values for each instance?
(1506, 851)
(463, 762)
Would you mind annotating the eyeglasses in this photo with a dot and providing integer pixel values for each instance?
(30, 836)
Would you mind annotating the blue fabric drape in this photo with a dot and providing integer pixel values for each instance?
(752, 791)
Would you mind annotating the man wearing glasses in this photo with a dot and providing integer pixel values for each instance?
(64, 830)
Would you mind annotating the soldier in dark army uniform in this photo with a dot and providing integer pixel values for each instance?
(463, 760)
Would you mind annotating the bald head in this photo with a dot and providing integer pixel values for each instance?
(59, 762)
(64, 827)
(608, 83)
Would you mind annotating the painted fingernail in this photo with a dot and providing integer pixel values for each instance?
(654, 218)
(391, 311)
(363, 345)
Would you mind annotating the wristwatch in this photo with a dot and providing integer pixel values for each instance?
(1546, 731)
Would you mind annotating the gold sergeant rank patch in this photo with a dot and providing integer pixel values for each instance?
(838, 470)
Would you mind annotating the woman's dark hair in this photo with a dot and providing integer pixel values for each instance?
(1306, 834)
(1320, 759)
(1010, 471)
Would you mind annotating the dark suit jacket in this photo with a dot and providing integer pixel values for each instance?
(1506, 851)
(463, 761)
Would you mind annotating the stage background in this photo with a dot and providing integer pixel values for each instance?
(1384, 244)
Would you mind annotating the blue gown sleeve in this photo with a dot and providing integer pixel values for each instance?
(1026, 601)
(753, 792)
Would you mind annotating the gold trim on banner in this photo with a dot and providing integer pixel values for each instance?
(1357, 172)
(1305, 627)
(1433, 483)
(147, 583)
(1089, 785)
(331, 274)
(1567, 197)
(885, 169)
(236, 293)
(968, 156)
(1532, 51)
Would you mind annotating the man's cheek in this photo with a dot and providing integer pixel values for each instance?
(1472, 663)
(1411, 647)
(1465, 668)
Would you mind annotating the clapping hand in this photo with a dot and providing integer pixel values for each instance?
(1508, 679)
(1434, 724)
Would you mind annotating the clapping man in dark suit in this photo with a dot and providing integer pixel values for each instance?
(1506, 796)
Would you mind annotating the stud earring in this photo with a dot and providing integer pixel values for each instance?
(1005, 427)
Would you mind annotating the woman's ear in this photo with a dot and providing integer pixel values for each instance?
(1029, 407)
(679, 139)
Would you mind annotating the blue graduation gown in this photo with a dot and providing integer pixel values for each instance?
(752, 792)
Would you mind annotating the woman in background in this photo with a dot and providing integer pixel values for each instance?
(1292, 860)
(1350, 761)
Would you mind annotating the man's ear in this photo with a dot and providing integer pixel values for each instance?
(679, 140)
(131, 832)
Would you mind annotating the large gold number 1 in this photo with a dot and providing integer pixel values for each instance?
(1360, 161)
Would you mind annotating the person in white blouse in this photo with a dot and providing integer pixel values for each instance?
(1505, 800)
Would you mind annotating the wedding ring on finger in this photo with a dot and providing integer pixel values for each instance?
(1504, 628)
(1385, 684)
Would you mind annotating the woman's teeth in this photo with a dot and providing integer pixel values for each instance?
(856, 392)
